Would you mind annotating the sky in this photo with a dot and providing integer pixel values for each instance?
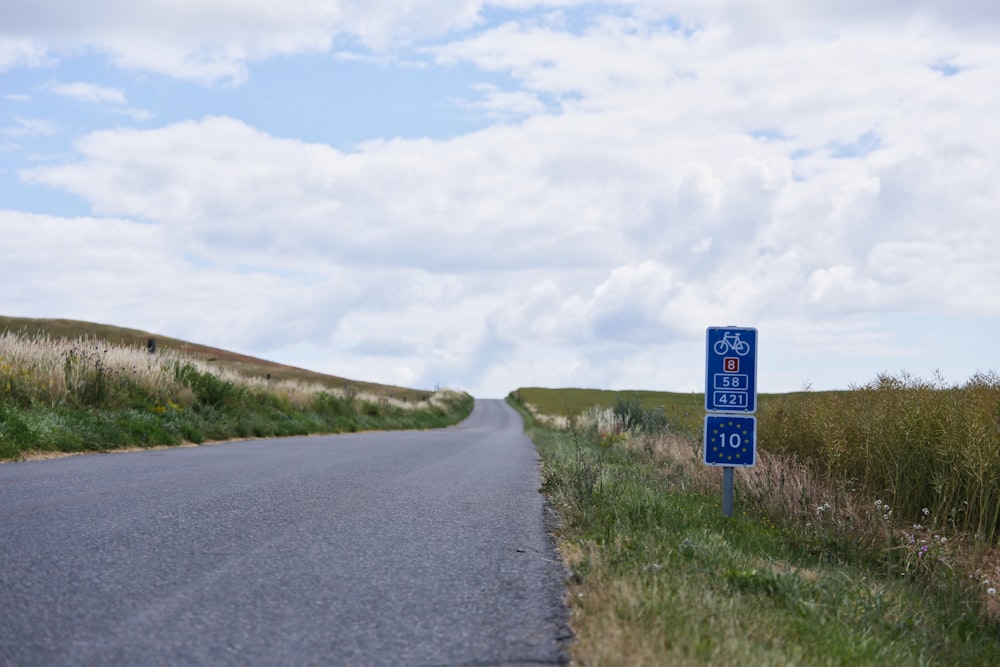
(492, 195)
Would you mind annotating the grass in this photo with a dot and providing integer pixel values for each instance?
(222, 360)
(810, 571)
(685, 411)
(89, 394)
(929, 450)
(567, 403)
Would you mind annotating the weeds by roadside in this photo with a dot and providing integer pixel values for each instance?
(810, 571)
(87, 395)
(914, 443)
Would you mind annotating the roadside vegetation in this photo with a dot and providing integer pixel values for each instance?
(211, 357)
(866, 534)
(88, 394)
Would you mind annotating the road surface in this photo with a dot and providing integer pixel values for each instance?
(405, 548)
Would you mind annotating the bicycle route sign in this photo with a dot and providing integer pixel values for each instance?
(731, 370)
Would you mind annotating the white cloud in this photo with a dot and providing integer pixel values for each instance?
(136, 114)
(418, 203)
(100, 268)
(19, 52)
(88, 92)
(380, 60)
(500, 104)
(29, 127)
(214, 41)
(812, 170)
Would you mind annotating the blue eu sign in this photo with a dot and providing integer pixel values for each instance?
(731, 370)
(730, 440)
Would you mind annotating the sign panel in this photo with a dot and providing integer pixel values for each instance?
(730, 440)
(731, 370)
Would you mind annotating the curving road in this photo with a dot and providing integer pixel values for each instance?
(406, 548)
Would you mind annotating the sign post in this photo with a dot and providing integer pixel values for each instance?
(730, 401)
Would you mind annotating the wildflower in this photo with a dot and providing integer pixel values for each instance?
(991, 590)
(926, 511)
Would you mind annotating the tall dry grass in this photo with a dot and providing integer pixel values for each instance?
(900, 467)
(50, 372)
(927, 448)
(59, 395)
(659, 576)
(37, 370)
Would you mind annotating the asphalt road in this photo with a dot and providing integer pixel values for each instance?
(406, 548)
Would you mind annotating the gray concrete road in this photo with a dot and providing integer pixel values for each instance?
(408, 548)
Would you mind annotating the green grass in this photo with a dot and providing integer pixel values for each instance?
(930, 451)
(90, 394)
(46, 429)
(659, 576)
(685, 410)
(571, 402)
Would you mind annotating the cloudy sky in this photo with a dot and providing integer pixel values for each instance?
(487, 195)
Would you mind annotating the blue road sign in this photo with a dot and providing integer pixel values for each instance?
(730, 440)
(731, 370)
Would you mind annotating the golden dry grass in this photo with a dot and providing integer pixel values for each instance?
(37, 369)
(786, 488)
(120, 337)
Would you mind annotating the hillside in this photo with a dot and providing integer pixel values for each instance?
(243, 364)
(72, 387)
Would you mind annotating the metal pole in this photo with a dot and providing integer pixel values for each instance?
(727, 490)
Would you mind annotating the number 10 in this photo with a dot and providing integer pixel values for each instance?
(735, 439)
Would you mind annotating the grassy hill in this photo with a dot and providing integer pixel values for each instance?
(240, 363)
(69, 386)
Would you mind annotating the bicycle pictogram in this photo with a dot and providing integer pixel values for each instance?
(731, 341)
